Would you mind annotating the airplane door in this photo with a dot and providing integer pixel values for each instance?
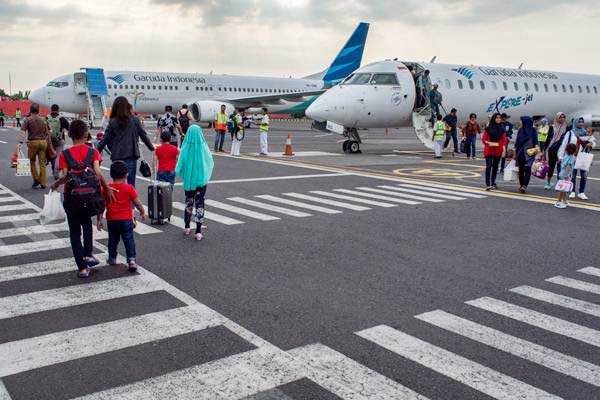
(80, 83)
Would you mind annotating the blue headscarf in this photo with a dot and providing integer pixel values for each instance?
(578, 131)
(195, 164)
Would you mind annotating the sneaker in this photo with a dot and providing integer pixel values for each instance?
(488, 188)
(91, 261)
(42, 186)
(494, 186)
(187, 231)
(572, 195)
(83, 273)
(582, 196)
(35, 185)
(111, 261)
(132, 266)
(199, 236)
(560, 204)
(522, 189)
(548, 186)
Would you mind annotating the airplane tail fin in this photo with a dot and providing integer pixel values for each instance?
(348, 59)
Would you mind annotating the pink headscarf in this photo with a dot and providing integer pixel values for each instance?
(558, 129)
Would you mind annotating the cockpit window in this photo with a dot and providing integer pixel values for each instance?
(384, 79)
(357, 79)
(58, 84)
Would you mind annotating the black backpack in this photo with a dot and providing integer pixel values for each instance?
(184, 121)
(82, 195)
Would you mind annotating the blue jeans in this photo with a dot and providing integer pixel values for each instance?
(79, 224)
(166, 176)
(117, 230)
(470, 145)
(219, 140)
(131, 170)
(582, 180)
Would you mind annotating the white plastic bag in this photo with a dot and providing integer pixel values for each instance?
(23, 165)
(511, 171)
(584, 161)
(53, 209)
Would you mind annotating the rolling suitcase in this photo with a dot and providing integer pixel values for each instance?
(160, 202)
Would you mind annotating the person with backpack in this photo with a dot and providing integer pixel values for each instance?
(122, 135)
(58, 126)
(168, 123)
(82, 177)
(184, 118)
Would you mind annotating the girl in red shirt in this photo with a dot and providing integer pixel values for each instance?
(494, 148)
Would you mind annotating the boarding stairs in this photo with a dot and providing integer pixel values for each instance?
(421, 119)
(96, 93)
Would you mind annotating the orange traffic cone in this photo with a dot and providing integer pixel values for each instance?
(288, 146)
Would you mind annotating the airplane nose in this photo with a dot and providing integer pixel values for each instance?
(318, 110)
(37, 96)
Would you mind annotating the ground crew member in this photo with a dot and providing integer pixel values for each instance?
(264, 130)
(237, 134)
(543, 131)
(18, 116)
(439, 135)
(221, 119)
(2, 118)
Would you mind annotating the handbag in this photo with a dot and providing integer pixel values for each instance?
(564, 185)
(540, 168)
(584, 161)
(145, 169)
(463, 146)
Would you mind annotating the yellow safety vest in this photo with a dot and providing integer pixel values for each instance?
(18, 114)
(221, 123)
(543, 133)
(265, 128)
(439, 130)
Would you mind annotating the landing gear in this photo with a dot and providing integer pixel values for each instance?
(352, 145)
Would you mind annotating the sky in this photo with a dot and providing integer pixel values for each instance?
(41, 40)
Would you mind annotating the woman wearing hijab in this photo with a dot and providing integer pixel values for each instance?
(555, 135)
(526, 148)
(573, 136)
(494, 147)
(195, 166)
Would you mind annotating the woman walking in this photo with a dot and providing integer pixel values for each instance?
(122, 136)
(470, 132)
(195, 166)
(494, 147)
(526, 148)
(555, 135)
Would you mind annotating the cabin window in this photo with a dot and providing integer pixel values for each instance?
(555, 88)
(505, 86)
(536, 87)
(516, 86)
(126, 86)
(494, 85)
(460, 84)
(546, 87)
(471, 85)
(564, 88)
(579, 89)
(187, 88)
(571, 89)
(159, 87)
(219, 88)
(384, 79)
(595, 90)
(482, 84)
(153, 87)
(447, 84)
(587, 89)
(109, 86)
(136, 86)
(526, 85)
(210, 88)
(120, 86)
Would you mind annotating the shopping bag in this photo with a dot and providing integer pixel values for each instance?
(23, 165)
(564, 185)
(463, 146)
(53, 209)
(510, 171)
(540, 168)
(584, 161)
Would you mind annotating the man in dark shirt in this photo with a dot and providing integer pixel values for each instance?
(451, 120)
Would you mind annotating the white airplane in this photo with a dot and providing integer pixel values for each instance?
(150, 92)
(382, 95)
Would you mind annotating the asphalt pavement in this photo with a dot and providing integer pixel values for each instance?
(381, 275)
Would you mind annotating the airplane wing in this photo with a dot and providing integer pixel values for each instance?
(274, 98)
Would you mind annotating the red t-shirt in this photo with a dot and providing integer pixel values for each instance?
(78, 152)
(495, 151)
(120, 209)
(167, 157)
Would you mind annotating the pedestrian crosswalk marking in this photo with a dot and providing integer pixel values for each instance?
(26, 354)
(575, 284)
(327, 201)
(462, 193)
(535, 353)
(347, 378)
(234, 377)
(298, 204)
(559, 300)
(33, 230)
(19, 217)
(422, 192)
(460, 189)
(28, 247)
(590, 271)
(8, 199)
(52, 299)
(13, 207)
(265, 206)
(470, 373)
(241, 211)
(354, 199)
(211, 216)
(378, 197)
(42, 268)
(539, 320)
(398, 194)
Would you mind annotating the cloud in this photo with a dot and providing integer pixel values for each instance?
(13, 13)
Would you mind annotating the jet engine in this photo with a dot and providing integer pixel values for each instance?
(205, 110)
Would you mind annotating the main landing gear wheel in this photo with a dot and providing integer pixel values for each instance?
(351, 147)
(345, 146)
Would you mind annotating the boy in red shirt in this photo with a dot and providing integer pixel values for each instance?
(167, 155)
(119, 215)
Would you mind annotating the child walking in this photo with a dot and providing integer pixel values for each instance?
(567, 167)
(119, 215)
(167, 155)
(195, 166)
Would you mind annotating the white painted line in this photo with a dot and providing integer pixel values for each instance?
(559, 300)
(327, 201)
(136, 177)
(535, 353)
(144, 229)
(2, 141)
(33, 247)
(354, 199)
(53, 299)
(575, 284)
(33, 230)
(8, 199)
(378, 196)
(4, 395)
(20, 217)
(239, 210)
(14, 207)
(454, 189)
(437, 190)
(233, 377)
(272, 178)
(348, 379)
(590, 271)
(298, 204)
(27, 354)
(270, 207)
(421, 192)
(470, 373)
(402, 195)
(211, 216)
(539, 320)
(41, 268)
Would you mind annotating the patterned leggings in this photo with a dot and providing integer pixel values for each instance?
(194, 200)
